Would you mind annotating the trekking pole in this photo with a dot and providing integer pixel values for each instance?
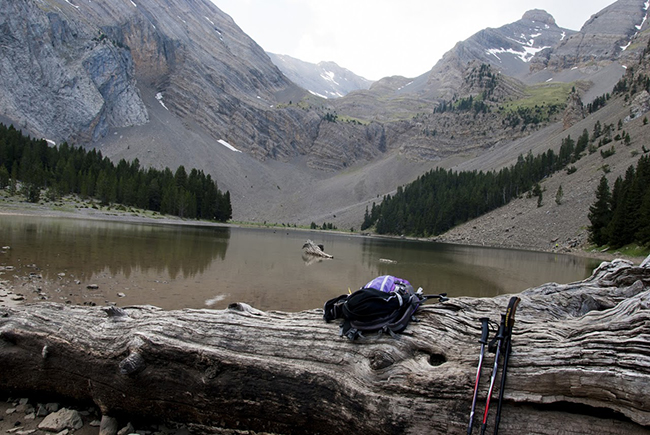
(485, 332)
(510, 321)
(499, 340)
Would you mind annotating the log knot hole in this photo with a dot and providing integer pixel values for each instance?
(134, 363)
(380, 360)
(437, 359)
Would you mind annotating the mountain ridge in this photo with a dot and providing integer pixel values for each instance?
(324, 79)
(186, 79)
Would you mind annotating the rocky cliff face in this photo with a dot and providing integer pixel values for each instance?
(62, 79)
(79, 70)
(603, 38)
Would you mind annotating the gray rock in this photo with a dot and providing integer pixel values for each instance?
(640, 105)
(108, 426)
(574, 111)
(60, 420)
(52, 407)
(126, 430)
(41, 411)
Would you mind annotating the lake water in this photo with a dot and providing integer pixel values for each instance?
(181, 266)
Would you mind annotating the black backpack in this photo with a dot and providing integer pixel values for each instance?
(385, 304)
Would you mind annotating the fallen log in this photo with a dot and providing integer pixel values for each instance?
(580, 363)
(311, 248)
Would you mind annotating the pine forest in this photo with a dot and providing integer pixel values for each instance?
(30, 166)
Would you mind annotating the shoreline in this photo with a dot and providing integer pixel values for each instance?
(18, 416)
(79, 209)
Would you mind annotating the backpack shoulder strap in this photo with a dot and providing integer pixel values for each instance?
(333, 309)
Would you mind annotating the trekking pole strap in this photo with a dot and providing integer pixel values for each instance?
(442, 297)
(485, 330)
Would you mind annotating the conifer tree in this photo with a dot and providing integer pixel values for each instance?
(600, 214)
(4, 179)
(643, 233)
(622, 227)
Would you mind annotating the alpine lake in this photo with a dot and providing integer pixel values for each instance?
(95, 262)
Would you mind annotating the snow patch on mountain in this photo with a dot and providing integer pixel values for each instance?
(325, 79)
(525, 55)
(159, 97)
(329, 76)
(227, 145)
(527, 51)
(638, 27)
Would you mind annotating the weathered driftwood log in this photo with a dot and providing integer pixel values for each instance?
(580, 363)
(312, 248)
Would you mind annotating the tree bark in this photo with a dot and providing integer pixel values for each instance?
(580, 363)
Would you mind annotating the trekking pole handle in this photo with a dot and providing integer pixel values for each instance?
(502, 328)
(510, 313)
(485, 330)
(498, 339)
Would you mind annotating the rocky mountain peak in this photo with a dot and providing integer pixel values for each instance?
(509, 48)
(539, 16)
(606, 37)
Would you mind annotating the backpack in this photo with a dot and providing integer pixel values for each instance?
(385, 304)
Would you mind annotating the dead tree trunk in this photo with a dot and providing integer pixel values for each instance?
(580, 363)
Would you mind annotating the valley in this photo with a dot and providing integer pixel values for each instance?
(181, 85)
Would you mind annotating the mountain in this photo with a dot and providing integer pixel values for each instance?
(509, 48)
(324, 79)
(173, 82)
(604, 38)
(98, 60)
(535, 50)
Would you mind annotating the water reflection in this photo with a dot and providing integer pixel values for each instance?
(88, 248)
(471, 270)
(174, 266)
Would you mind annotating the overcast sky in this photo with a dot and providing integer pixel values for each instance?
(380, 38)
